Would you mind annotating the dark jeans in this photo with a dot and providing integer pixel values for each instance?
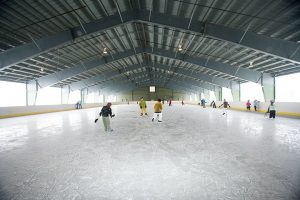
(248, 107)
(272, 114)
(255, 108)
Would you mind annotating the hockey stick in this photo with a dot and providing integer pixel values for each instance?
(98, 118)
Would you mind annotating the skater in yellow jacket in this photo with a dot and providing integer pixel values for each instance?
(143, 106)
(157, 111)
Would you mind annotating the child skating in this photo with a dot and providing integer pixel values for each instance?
(143, 106)
(272, 110)
(157, 111)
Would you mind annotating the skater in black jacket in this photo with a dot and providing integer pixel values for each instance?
(106, 113)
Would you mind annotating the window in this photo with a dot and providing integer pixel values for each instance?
(196, 97)
(226, 94)
(48, 96)
(287, 88)
(74, 97)
(90, 98)
(152, 88)
(111, 98)
(202, 96)
(251, 91)
(101, 98)
(12, 94)
(212, 96)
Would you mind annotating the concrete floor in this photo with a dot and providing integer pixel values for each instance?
(194, 154)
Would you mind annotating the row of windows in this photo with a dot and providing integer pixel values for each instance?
(286, 90)
(14, 94)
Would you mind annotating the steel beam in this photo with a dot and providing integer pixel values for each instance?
(283, 49)
(242, 73)
(113, 83)
(23, 52)
(51, 79)
(279, 48)
(106, 76)
(188, 83)
(193, 74)
(170, 86)
(116, 90)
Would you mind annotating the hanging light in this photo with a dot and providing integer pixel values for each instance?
(104, 51)
(251, 64)
(42, 69)
(179, 47)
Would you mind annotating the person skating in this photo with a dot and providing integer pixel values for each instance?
(203, 103)
(213, 104)
(78, 105)
(143, 106)
(170, 102)
(106, 112)
(272, 110)
(225, 105)
(256, 105)
(248, 105)
(182, 103)
(157, 111)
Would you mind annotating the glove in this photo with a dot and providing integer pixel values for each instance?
(140, 107)
(96, 120)
(113, 115)
(145, 106)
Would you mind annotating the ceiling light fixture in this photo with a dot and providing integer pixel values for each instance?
(180, 48)
(104, 51)
(251, 64)
(42, 69)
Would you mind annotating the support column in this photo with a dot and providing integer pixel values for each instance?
(131, 96)
(236, 90)
(104, 99)
(65, 92)
(97, 97)
(31, 93)
(84, 93)
(268, 86)
(218, 93)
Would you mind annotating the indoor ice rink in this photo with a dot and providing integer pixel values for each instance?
(149, 99)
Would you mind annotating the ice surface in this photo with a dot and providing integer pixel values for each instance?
(194, 153)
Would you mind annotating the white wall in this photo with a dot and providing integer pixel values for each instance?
(27, 110)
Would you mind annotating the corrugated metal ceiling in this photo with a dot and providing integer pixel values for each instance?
(24, 21)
